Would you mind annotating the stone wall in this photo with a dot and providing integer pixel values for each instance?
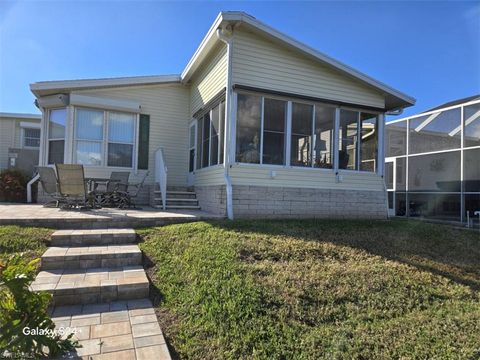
(285, 202)
(212, 198)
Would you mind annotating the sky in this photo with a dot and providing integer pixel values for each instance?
(429, 50)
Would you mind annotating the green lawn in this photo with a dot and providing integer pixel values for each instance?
(316, 289)
(30, 241)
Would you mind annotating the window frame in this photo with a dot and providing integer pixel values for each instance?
(47, 137)
(23, 137)
(288, 133)
(105, 140)
(200, 119)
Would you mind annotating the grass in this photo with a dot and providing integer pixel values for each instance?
(31, 242)
(316, 289)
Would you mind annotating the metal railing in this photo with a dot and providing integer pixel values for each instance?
(161, 175)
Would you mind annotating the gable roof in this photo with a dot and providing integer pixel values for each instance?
(394, 99)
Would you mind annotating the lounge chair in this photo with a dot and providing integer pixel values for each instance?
(127, 198)
(72, 186)
(49, 182)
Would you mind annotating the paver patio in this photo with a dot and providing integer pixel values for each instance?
(120, 330)
(37, 215)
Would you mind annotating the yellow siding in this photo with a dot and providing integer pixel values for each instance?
(210, 79)
(7, 131)
(168, 107)
(304, 178)
(210, 176)
(259, 63)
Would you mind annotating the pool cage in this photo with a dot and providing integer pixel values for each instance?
(432, 164)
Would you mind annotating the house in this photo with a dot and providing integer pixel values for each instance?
(258, 124)
(19, 141)
(433, 162)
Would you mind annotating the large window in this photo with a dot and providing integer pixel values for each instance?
(210, 134)
(324, 135)
(248, 128)
(368, 142)
(301, 143)
(31, 137)
(104, 138)
(121, 139)
(348, 140)
(89, 136)
(274, 125)
(268, 127)
(396, 139)
(56, 135)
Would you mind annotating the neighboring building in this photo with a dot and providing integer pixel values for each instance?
(258, 123)
(433, 162)
(19, 141)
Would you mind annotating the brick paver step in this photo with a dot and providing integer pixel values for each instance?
(113, 330)
(93, 285)
(89, 237)
(91, 257)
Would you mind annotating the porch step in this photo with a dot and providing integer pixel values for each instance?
(173, 207)
(177, 195)
(93, 285)
(91, 257)
(90, 237)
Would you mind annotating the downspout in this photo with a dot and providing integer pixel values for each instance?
(224, 34)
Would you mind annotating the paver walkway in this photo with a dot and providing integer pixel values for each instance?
(100, 293)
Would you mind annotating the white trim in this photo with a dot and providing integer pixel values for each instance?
(473, 102)
(288, 134)
(427, 121)
(30, 125)
(38, 87)
(20, 116)
(105, 103)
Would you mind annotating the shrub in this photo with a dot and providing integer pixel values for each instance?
(13, 185)
(22, 309)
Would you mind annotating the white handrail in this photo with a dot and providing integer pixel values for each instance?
(161, 175)
(29, 187)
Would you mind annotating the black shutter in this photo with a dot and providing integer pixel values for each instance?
(143, 139)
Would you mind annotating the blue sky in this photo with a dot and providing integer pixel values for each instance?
(429, 50)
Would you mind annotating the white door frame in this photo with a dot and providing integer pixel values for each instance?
(191, 174)
(392, 189)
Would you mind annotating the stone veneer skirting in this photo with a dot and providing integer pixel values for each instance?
(287, 202)
(212, 198)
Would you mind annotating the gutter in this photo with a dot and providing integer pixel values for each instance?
(225, 34)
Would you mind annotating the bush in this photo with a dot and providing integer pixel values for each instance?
(13, 185)
(22, 309)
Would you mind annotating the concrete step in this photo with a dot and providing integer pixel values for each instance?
(91, 257)
(177, 195)
(173, 207)
(178, 201)
(89, 237)
(94, 285)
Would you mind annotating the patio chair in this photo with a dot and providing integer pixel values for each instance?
(118, 182)
(127, 198)
(49, 182)
(71, 185)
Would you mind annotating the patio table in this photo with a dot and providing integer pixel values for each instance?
(91, 185)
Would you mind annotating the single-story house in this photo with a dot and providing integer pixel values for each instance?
(19, 141)
(258, 124)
